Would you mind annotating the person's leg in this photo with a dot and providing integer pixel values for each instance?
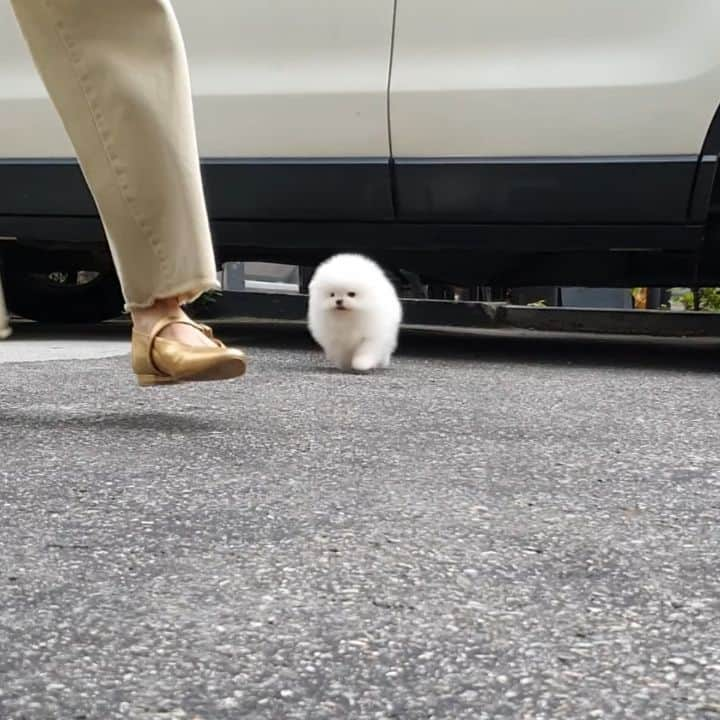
(4, 324)
(117, 73)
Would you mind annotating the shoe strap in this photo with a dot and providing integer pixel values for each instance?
(161, 324)
(207, 331)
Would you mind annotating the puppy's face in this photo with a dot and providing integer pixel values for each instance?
(337, 298)
(346, 285)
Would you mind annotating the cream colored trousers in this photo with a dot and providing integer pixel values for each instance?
(4, 325)
(117, 73)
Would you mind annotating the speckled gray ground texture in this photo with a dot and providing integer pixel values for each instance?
(493, 528)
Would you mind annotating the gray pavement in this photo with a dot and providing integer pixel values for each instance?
(497, 527)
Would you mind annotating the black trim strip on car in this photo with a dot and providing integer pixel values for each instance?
(292, 189)
(237, 238)
(607, 190)
(251, 189)
(44, 187)
(651, 189)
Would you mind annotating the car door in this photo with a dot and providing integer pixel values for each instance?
(566, 111)
(291, 108)
(29, 126)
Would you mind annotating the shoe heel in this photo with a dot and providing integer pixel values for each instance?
(148, 380)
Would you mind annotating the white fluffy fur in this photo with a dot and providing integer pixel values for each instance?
(363, 334)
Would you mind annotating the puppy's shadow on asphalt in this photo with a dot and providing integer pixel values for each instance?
(516, 348)
(319, 370)
(631, 352)
(314, 367)
(154, 421)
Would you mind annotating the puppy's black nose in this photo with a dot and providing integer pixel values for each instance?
(339, 302)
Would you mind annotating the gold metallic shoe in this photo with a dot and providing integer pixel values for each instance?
(159, 361)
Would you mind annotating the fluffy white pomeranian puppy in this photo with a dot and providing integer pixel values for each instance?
(354, 313)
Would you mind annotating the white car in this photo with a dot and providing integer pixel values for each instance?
(493, 142)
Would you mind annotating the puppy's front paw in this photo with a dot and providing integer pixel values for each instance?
(363, 363)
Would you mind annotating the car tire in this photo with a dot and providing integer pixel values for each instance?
(63, 297)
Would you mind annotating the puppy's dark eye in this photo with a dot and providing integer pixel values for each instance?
(351, 294)
(332, 294)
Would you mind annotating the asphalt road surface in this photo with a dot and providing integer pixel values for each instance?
(496, 527)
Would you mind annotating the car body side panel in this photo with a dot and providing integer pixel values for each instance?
(291, 111)
(288, 78)
(521, 78)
